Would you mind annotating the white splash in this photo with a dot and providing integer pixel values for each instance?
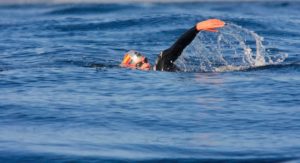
(233, 48)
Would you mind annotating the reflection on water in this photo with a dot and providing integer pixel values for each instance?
(209, 78)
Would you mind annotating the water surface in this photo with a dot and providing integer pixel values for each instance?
(64, 97)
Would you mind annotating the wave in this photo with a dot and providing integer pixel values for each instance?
(79, 24)
(284, 2)
(87, 9)
(89, 64)
(289, 66)
(58, 63)
(48, 157)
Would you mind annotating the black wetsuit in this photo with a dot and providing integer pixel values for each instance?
(166, 59)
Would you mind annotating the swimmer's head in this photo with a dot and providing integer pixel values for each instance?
(136, 60)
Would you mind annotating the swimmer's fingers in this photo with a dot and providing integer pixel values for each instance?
(210, 24)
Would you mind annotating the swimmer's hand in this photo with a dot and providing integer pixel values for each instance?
(210, 25)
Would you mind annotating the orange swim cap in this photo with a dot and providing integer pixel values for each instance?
(134, 59)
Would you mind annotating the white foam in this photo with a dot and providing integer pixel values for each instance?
(232, 49)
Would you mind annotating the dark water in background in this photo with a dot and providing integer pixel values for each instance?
(64, 98)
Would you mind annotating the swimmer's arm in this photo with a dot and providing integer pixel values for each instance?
(176, 49)
(166, 59)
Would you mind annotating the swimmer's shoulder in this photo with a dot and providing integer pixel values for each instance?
(162, 63)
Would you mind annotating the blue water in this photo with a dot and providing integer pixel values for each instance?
(64, 97)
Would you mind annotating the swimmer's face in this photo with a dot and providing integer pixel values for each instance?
(133, 59)
(143, 63)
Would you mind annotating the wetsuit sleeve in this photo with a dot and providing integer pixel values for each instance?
(166, 59)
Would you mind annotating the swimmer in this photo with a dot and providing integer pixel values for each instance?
(166, 59)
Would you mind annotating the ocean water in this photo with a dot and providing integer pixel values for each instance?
(64, 97)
